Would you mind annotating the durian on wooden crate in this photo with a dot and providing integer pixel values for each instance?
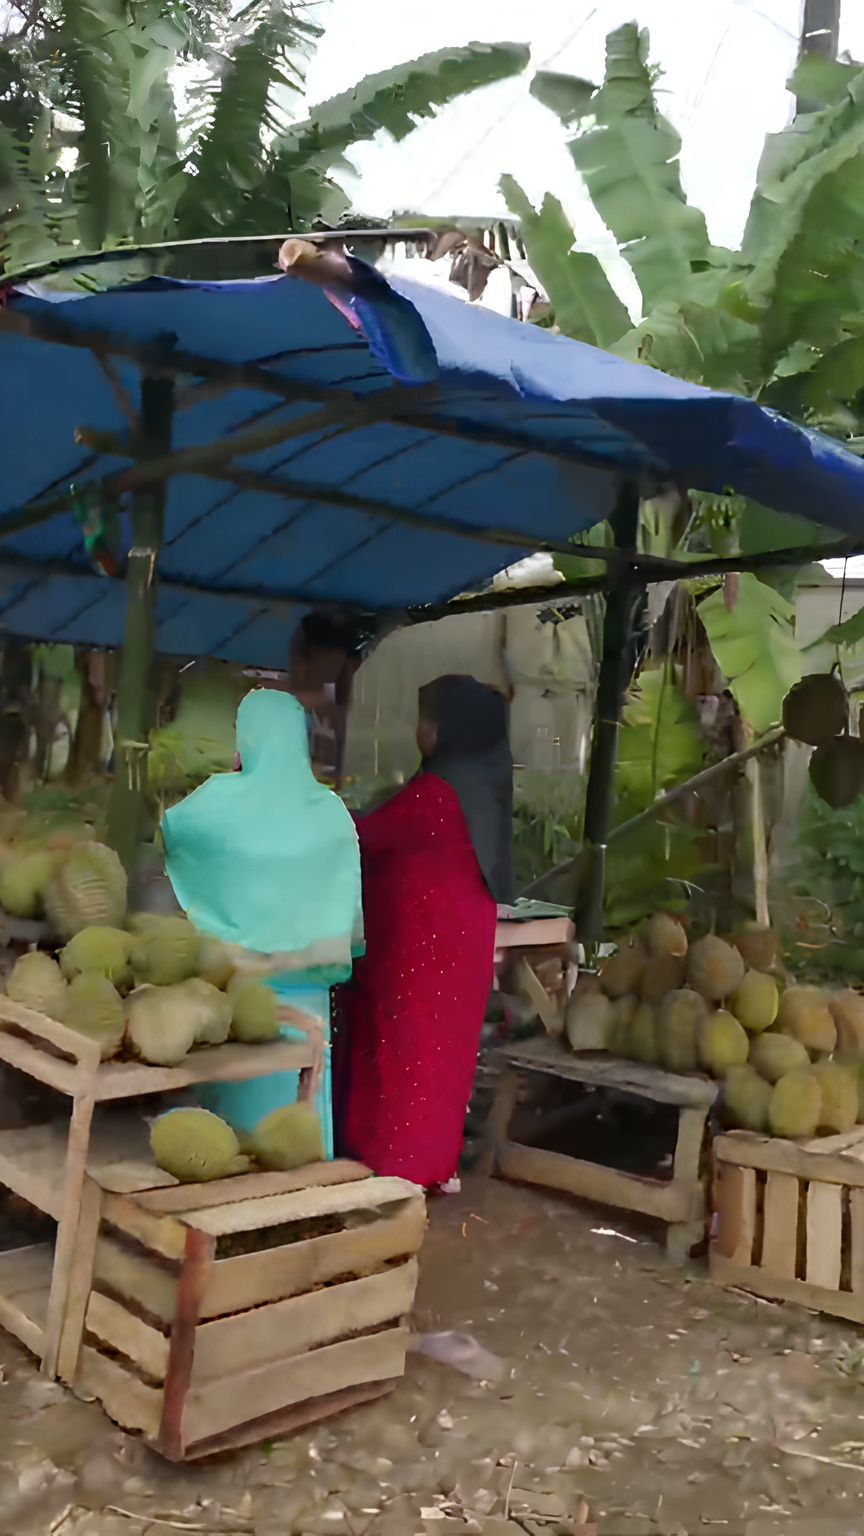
(788, 1219)
(225, 1313)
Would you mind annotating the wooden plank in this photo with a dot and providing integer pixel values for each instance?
(824, 1232)
(25, 1283)
(843, 1141)
(236, 1344)
(688, 1144)
(31, 1164)
(533, 933)
(498, 1120)
(26, 1057)
(151, 1288)
(780, 1225)
(668, 1201)
(273, 1387)
(250, 1186)
(80, 1281)
(67, 1225)
(541, 1054)
(274, 1426)
(116, 1326)
(856, 1222)
(736, 1213)
(231, 1063)
(162, 1234)
(777, 1156)
(181, 1353)
(845, 1304)
(128, 1401)
(254, 1279)
(78, 1046)
(302, 1205)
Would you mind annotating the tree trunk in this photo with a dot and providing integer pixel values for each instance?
(85, 748)
(16, 670)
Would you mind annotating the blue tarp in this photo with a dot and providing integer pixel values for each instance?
(513, 429)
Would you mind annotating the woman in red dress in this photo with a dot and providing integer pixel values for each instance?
(436, 860)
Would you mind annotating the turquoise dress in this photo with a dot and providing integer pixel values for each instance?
(267, 860)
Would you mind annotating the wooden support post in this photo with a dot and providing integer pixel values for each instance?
(623, 610)
(67, 1226)
(136, 693)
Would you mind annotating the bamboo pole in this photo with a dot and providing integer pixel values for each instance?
(136, 693)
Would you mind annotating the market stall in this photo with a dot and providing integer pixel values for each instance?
(191, 466)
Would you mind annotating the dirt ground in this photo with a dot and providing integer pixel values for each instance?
(618, 1383)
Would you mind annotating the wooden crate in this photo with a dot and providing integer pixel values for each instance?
(680, 1201)
(789, 1219)
(46, 1165)
(202, 1350)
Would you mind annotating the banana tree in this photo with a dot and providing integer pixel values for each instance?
(98, 148)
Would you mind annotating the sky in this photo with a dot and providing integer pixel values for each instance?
(725, 65)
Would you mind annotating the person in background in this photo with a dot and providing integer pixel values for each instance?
(436, 862)
(267, 859)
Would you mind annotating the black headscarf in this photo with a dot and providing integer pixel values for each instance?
(472, 755)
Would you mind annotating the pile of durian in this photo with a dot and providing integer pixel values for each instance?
(154, 990)
(790, 1058)
(58, 873)
(194, 1145)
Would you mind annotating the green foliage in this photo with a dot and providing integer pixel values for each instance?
(826, 919)
(237, 159)
(754, 644)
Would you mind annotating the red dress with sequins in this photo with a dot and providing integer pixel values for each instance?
(408, 1023)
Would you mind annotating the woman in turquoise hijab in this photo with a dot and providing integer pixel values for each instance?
(267, 859)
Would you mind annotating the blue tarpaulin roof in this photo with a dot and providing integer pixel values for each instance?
(411, 415)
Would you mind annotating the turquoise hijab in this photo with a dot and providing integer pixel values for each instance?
(267, 858)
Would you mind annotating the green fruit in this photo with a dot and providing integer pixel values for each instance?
(289, 1138)
(588, 1022)
(796, 1105)
(804, 1014)
(36, 982)
(160, 1025)
(755, 1002)
(679, 1017)
(24, 878)
(714, 968)
(88, 889)
(847, 1011)
(210, 1009)
(622, 972)
(664, 935)
(853, 1061)
(721, 1043)
(214, 963)
(837, 771)
(774, 1055)
(100, 951)
(746, 1097)
(95, 1009)
(165, 950)
(255, 1017)
(816, 709)
(193, 1145)
(643, 1035)
(839, 1087)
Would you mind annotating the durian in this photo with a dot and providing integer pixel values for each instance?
(95, 1008)
(193, 1145)
(622, 972)
(796, 1105)
(88, 889)
(773, 1055)
(618, 1036)
(853, 1061)
(816, 709)
(165, 950)
(24, 878)
(588, 1022)
(714, 968)
(664, 935)
(837, 771)
(839, 1087)
(757, 946)
(37, 982)
(721, 1043)
(746, 1097)
(755, 1002)
(160, 1026)
(210, 1009)
(847, 1011)
(289, 1138)
(214, 963)
(254, 1018)
(663, 974)
(679, 1016)
(98, 951)
(804, 1014)
(642, 1035)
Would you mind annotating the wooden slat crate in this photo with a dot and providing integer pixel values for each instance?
(789, 1219)
(217, 1317)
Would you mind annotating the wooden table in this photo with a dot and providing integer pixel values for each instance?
(540, 950)
(679, 1201)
